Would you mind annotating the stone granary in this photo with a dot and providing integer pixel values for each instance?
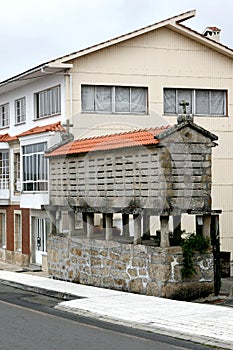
(163, 172)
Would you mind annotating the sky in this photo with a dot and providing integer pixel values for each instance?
(36, 31)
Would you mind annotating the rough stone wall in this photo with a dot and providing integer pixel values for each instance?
(133, 268)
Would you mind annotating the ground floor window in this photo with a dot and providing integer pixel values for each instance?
(17, 231)
(2, 230)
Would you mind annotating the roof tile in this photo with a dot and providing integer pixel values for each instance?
(144, 137)
(40, 129)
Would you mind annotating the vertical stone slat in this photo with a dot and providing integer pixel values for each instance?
(164, 231)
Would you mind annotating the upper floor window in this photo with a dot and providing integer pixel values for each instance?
(201, 102)
(35, 168)
(20, 110)
(4, 115)
(17, 183)
(4, 170)
(114, 99)
(48, 102)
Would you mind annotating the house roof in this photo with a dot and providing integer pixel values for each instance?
(65, 62)
(135, 138)
(37, 130)
(40, 129)
(7, 138)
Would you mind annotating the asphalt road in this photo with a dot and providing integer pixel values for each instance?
(28, 321)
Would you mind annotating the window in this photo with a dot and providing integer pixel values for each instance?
(48, 102)
(4, 115)
(17, 231)
(4, 170)
(201, 102)
(17, 183)
(35, 168)
(2, 229)
(114, 99)
(20, 110)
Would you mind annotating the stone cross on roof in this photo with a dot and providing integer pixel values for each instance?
(184, 104)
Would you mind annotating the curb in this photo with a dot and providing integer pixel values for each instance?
(43, 291)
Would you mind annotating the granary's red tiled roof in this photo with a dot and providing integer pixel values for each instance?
(127, 139)
(40, 129)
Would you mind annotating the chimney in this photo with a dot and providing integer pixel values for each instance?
(212, 33)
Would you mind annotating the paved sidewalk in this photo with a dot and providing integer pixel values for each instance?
(203, 323)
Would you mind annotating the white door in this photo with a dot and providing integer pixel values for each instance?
(41, 229)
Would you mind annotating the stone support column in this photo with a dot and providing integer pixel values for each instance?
(177, 226)
(109, 224)
(146, 225)
(52, 217)
(137, 218)
(90, 225)
(206, 225)
(84, 215)
(71, 218)
(164, 243)
(125, 224)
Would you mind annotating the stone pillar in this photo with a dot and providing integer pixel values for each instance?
(53, 227)
(84, 215)
(146, 225)
(137, 218)
(109, 224)
(177, 227)
(206, 225)
(90, 225)
(164, 243)
(125, 224)
(71, 218)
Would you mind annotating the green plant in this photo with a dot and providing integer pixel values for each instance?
(193, 242)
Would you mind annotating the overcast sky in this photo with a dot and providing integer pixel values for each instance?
(35, 31)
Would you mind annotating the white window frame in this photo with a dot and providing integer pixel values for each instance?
(35, 168)
(112, 102)
(17, 167)
(47, 102)
(3, 229)
(4, 115)
(18, 233)
(20, 110)
(192, 107)
(4, 170)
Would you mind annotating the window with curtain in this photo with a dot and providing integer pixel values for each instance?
(200, 101)
(114, 99)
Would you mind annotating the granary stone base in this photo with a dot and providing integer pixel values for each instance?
(139, 269)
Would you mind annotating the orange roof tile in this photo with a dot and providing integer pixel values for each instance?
(40, 129)
(127, 139)
(7, 138)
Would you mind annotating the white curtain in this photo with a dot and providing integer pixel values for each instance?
(217, 102)
(170, 101)
(138, 100)
(202, 102)
(103, 99)
(122, 99)
(87, 97)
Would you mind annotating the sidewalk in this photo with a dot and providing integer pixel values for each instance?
(203, 323)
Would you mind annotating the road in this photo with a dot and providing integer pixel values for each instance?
(28, 321)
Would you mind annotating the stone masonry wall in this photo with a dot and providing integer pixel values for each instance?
(133, 268)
